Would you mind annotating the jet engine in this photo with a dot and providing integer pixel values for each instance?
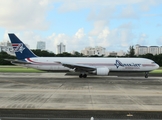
(101, 71)
(72, 70)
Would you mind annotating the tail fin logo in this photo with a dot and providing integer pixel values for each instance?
(18, 47)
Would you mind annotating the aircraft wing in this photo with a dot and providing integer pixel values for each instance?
(15, 61)
(78, 67)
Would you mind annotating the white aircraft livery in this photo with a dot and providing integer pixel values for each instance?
(84, 65)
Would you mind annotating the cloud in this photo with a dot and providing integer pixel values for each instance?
(57, 39)
(121, 36)
(71, 5)
(126, 37)
(29, 16)
(128, 12)
(100, 19)
(115, 39)
(145, 5)
(74, 42)
(98, 27)
(23, 14)
(128, 25)
(30, 38)
(105, 32)
(80, 33)
(142, 39)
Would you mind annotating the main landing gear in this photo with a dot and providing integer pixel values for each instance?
(146, 74)
(82, 75)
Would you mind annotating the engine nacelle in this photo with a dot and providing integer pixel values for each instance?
(102, 71)
(72, 70)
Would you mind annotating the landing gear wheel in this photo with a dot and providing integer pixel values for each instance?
(85, 75)
(146, 74)
(80, 76)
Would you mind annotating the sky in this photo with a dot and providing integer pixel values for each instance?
(113, 24)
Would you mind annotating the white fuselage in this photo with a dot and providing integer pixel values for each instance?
(113, 64)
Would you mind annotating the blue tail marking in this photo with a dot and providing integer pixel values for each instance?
(20, 48)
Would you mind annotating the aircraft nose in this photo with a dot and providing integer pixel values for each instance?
(157, 66)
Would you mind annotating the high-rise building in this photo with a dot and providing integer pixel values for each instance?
(41, 45)
(61, 48)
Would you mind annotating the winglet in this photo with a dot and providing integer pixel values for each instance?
(20, 48)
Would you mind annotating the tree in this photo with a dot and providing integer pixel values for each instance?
(43, 53)
(64, 54)
(131, 51)
(3, 56)
(158, 59)
(77, 54)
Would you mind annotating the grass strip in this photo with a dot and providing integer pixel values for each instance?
(157, 71)
(19, 69)
(30, 70)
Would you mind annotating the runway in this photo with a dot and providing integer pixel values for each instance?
(54, 91)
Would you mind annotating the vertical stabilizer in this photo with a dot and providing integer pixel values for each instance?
(20, 48)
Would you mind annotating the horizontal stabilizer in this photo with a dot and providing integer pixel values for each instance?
(15, 61)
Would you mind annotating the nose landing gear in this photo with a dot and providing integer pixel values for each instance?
(146, 74)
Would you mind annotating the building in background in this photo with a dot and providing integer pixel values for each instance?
(153, 50)
(88, 51)
(142, 50)
(98, 50)
(160, 49)
(114, 53)
(101, 51)
(7, 47)
(41, 45)
(61, 48)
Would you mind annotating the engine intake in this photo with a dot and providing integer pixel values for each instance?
(102, 71)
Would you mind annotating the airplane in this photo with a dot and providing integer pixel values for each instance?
(84, 65)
